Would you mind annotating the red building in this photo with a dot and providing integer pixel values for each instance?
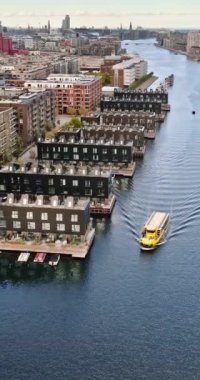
(5, 44)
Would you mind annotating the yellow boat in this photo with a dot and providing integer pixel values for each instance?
(154, 230)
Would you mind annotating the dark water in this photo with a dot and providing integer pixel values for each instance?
(122, 314)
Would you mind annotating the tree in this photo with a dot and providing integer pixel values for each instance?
(82, 111)
(7, 157)
(32, 154)
(36, 136)
(18, 147)
(105, 77)
(75, 122)
(71, 111)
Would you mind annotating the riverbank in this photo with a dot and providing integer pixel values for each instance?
(147, 83)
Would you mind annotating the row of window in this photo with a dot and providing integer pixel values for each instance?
(45, 226)
(63, 182)
(44, 216)
(85, 150)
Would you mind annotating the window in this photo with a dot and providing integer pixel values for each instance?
(1, 214)
(46, 226)
(31, 225)
(84, 150)
(76, 156)
(16, 224)
(74, 218)
(44, 216)
(65, 149)
(105, 151)
(95, 157)
(63, 182)
(75, 228)
(29, 215)
(75, 150)
(59, 217)
(60, 227)
(50, 181)
(100, 184)
(88, 192)
(94, 150)
(124, 151)
(14, 214)
(2, 187)
(2, 223)
(75, 182)
(114, 151)
(87, 183)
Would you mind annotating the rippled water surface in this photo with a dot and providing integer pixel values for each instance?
(122, 314)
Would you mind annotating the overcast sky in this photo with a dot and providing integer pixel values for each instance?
(112, 13)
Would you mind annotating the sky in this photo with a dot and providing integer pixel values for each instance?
(112, 13)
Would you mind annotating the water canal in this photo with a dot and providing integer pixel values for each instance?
(122, 314)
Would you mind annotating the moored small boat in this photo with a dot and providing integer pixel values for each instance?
(54, 260)
(154, 231)
(23, 257)
(39, 257)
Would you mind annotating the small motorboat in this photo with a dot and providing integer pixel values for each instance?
(53, 262)
(23, 257)
(39, 257)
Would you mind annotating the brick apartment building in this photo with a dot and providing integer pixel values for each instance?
(35, 111)
(78, 92)
(8, 130)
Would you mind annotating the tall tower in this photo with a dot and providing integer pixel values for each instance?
(130, 27)
(49, 27)
(66, 22)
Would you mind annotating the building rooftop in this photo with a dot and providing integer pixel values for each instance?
(85, 142)
(58, 202)
(56, 169)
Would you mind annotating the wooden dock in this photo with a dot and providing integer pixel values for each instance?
(80, 250)
(125, 171)
(103, 208)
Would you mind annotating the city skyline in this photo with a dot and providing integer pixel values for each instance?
(154, 14)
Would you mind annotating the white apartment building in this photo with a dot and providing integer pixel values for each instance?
(128, 71)
(193, 40)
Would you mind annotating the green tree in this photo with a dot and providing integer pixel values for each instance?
(18, 147)
(7, 157)
(75, 122)
(32, 154)
(82, 111)
(36, 136)
(105, 77)
(71, 111)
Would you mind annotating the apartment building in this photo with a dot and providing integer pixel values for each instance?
(193, 41)
(8, 130)
(44, 215)
(130, 105)
(45, 179)
(141, 95)
(91, 150)
(35, 112)
(126, 72)
(70, 91)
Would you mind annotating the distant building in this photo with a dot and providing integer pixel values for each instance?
(193, 44)
(66, 23)
(49, 27)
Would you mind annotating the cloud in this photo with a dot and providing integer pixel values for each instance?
(92, 14)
